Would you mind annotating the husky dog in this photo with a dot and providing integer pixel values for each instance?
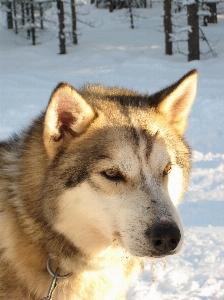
(91, 187)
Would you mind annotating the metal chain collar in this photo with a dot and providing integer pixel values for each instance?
(55, 276)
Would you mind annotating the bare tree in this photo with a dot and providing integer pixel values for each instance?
(111, 7)
(74, 27)
(41, 16)
(15, 16)
(193, 41)
(33, 32)
(62, 46)
(9, 15)
(213, 10)
(168, 25)
(22, 13)
(130, 13)
(28, 18)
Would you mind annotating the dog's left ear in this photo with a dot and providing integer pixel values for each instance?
(67, 116)
(178, 100)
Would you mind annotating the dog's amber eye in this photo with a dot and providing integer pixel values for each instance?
(167, 169)
(113, 174)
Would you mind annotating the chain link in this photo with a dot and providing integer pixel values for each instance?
(53, 284)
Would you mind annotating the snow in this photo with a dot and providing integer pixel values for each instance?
(111, 53)
(195, 274)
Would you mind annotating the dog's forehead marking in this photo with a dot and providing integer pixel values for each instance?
(149, 157)
(160, 155)
(146, 141)
(128, 160)
(129, 149)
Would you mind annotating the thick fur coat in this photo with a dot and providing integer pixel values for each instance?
(93, 184)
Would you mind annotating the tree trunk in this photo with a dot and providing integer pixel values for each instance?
(60, 7)
(213, 10)
(193, 36)
(15, 16)
(130, 13)
(41, 16)
(28, 18)
(74, 35)
(168, 26)
(9, 15)
(111, 6)
(33, 23)
(22, 13)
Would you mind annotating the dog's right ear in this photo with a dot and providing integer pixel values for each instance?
(66, 117)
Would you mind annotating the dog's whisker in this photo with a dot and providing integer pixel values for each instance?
(190, 195)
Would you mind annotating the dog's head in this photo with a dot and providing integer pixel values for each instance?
(118, 166)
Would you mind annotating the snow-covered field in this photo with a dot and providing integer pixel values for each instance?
(113, 54)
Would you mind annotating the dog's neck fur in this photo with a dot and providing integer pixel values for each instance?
(31, 258)
(29, 251)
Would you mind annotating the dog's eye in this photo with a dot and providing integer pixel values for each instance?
(113, 174)
(167, 169)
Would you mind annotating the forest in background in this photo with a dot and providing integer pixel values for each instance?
(183, 21)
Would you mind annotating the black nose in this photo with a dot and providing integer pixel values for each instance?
(164, 237)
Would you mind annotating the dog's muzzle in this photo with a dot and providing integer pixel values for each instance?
(163, 238)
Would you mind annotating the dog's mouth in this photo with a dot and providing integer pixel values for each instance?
(161, 254)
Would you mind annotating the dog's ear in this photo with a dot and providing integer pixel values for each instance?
(178, 99)
(67, 116)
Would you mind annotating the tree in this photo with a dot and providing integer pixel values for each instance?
(73, 10)
(193, 41)
(130, 13)
(28, 18)
(9, 15)
(61, 35)
(213, 10)
(15, 16)
(111, 6)
(41, 16)
(22, 13)
(168, 26)
(33, 31)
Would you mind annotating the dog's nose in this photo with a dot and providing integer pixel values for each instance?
(164, 237)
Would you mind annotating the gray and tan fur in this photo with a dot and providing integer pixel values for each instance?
(93, 184)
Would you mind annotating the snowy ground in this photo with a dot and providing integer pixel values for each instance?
(113, 54)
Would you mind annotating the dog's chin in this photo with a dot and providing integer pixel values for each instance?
(140, 253)
(133, 251)
(146, 252)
